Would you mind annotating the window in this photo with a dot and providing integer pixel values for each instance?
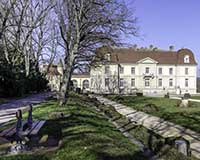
(106, 82)
(186, 59)
(85, 84)
(147, 83)
(121, 70)
(107, 57)
(186, 71)
(75, 83)
(121, 82)
(186, 82)
(133, 82)
(132, 70)
(147, 70)
(170, 82)
(160, 71)
(170, 71)
(107, 69)
(160, 82)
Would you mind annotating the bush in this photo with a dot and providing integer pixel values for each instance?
(166, 95)
(13, 81)
(150, 108)
(139, 94)
(187, 95)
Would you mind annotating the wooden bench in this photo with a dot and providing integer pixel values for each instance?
(23, 129)
(36, 126)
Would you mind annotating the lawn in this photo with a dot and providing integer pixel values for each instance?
(195, 97)
(166, 109)
(84, 135)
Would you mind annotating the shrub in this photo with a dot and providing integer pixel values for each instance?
(166, 95)
(139, 94)
(13, 81)
(187, 95)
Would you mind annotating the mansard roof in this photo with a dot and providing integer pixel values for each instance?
(131, 55)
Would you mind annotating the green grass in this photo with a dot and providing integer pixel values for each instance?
(166, 109)
(85, 135)
(195, 97)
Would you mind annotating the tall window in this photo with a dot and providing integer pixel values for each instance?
(147, 82)
(147, 70)
(160, 82)
(75, 83)
(160, 71)
(186, 82)
(171, 82)
(133, 82)
(186, 71)
(107, 69)
(132, 70)
(121, 70)
(106, 82)
(85, 84)
(121, 82)
(170, 71)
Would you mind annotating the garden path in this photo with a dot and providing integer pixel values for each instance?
(8, 110)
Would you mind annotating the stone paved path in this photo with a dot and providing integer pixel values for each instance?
(163, 128)
(8, 110)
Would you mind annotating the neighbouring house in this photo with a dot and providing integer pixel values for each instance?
(54, 76)
(129, 70)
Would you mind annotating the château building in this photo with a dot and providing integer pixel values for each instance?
(149, 71)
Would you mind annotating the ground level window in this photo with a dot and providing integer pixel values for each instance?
(106, 82)
(133, 82)
(85, 84)
(147, 82)
(121, 82)
(75, 83)
(160, 82)
(186, 82)
(170, 82)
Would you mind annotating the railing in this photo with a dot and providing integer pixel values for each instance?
(148, 75)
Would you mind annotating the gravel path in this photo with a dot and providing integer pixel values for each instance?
(8, 110)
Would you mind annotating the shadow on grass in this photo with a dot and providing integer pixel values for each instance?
(92, 136)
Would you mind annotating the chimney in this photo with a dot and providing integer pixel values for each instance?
(151, 47)
(171, 48)
(135, 46)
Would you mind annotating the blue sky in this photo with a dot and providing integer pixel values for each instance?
(168, 22)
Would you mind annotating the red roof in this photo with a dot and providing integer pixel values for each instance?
(130, 55)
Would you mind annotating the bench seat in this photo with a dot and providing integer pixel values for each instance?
(36, 126)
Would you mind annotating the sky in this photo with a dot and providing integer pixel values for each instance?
(168, 22)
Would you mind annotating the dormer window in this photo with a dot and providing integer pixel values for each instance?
(107, 56)
(186, 59)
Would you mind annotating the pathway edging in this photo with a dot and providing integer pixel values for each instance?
(163, 128)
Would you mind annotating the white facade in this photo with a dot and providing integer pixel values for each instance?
(148, 76)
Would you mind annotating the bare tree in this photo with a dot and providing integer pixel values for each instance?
(24, 36)
(87, 24)
(6, 6)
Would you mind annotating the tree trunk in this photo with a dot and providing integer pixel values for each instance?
(64, 88)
